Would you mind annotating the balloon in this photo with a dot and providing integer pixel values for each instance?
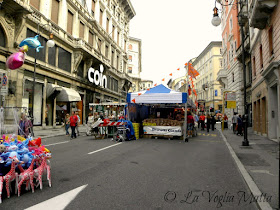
(16, 60)
(32, 42)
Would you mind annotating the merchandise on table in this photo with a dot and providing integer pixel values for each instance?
(162, 122)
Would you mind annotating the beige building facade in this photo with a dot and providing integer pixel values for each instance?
(91, 40)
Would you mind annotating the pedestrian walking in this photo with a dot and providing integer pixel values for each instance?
(78, 122)
(225, 121)
(239, 126)
(24, 126)
(73, 122)
(67, 124)
(208, 122)
(196, 118)
(198, 122)
(202, 121)
(190, 124)
(213, 122)
(234, 122)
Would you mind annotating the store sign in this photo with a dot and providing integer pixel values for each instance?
(97, 77)
(230, 100)
(163, 130)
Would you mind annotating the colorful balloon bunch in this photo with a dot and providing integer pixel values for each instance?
(22, 160)
(16, 60)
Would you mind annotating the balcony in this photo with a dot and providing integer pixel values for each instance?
(222, 77)
(261, 12)
(246, 47)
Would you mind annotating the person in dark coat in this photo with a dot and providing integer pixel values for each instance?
(208, 122)
(239, 126)
(213, 122)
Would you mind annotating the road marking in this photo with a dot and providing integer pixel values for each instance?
(208, 134)
(104, 148)
(262, 171)
(208, 140)
(63, 142)
(59, 202)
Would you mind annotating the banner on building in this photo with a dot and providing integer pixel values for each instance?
(163, 130)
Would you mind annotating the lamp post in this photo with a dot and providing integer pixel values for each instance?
(216, 21)
(50, 43)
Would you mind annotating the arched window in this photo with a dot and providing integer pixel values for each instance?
(2, 37)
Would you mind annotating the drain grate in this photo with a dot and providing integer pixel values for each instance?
(252, 160)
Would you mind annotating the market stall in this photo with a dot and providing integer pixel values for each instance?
(166, 109)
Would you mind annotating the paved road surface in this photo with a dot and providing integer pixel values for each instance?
(141, 174)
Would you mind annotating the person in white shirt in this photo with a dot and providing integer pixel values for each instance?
(77, 126)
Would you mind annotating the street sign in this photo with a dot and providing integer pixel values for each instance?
(231, 104)
(4, 84)
(231, 96)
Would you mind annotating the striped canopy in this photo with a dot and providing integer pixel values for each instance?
(157, 95)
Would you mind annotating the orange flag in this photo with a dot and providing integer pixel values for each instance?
(148, 89)
(155, 84)
(170, 74)
(194, 91)
(178, 69)
(191, 71)
(163, 79)
(139, 94)
(133, 100)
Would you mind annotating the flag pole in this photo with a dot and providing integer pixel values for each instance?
(186, 107)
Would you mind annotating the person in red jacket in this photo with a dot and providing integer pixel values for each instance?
(190, 122)
(73, 123)
(202, 121)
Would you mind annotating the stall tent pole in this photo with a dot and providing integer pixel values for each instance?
(186, 107)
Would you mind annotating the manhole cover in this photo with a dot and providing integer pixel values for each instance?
(252, 160)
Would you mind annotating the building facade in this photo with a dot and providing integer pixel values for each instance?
(145, 84)
(134, 67)
(89, 59)
(265, 55)
(208, 64)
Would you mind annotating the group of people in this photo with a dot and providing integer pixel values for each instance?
(210, 122)
(73, 122)
(237, 124)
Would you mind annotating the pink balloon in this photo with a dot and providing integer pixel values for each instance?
(15, 60)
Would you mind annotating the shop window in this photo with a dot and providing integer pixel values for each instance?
(81, 69)
(64, 59)
(41, 55)
(52, 55)
(2, 38)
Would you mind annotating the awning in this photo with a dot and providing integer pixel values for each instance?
(68, 95)
(53, 90)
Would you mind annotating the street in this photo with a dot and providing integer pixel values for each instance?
(141, 174)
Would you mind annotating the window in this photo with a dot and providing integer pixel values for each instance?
(101, 17)
(130, 58)
(92, 7)
(118, 60)
(232, 77)
(107, 51)
(254, 66)
(113, 32)
(52, 55)
(125, 45)
(55, 11)
(64, 59)
(221, 63)
(31, 52)
(124, 66)
(90, 38)
(270, 39)
(130, 47)
(99, 45)
(130, 70)
(261, 57)
(230, 24)
(2, 37)
(70, 22)
(118, 37)
(107, 25)
(81, 69)
(112, 58)
(35, 4)
(81, 31)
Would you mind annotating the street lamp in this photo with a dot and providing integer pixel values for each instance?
(50, 43)
(216, 22)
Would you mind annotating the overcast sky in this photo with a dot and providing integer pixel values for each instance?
(172, 33)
